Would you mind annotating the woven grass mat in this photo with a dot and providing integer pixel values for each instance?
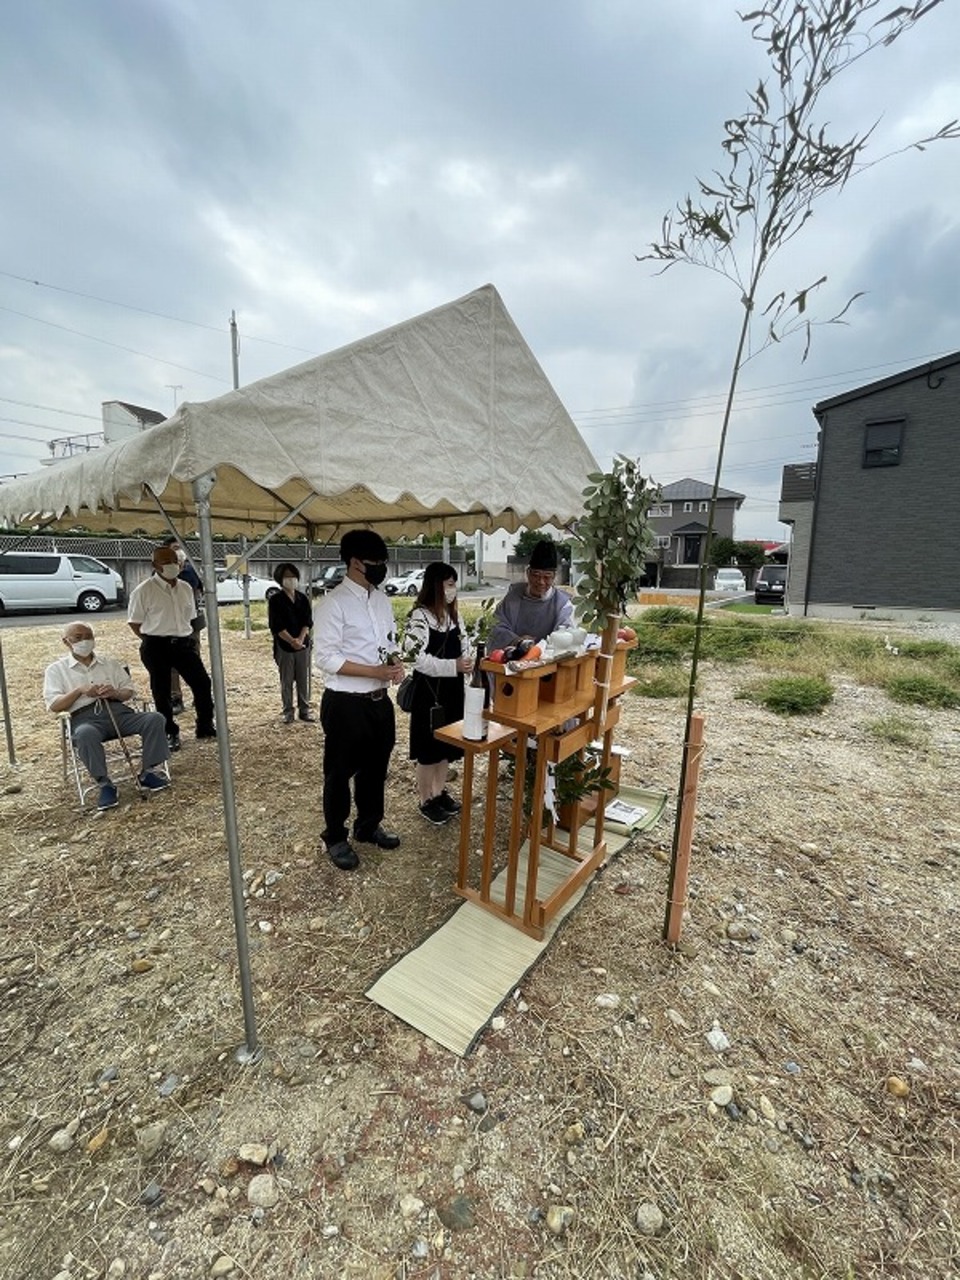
(452, 984)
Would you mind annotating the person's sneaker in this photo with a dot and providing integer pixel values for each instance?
(434, 812)
(208, 731)
(343, 855)
(108, 797)
(308, 716)
(381, 838)
(154, 781)
(173, 741)
(288, 717)
(447, 803)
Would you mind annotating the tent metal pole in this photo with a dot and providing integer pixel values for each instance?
(250, 1051)
(8, 727)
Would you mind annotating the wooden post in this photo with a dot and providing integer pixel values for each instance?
(680, 867)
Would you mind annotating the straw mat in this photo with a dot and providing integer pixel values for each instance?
(450, 986)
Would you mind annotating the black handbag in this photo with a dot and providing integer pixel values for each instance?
(405, 693)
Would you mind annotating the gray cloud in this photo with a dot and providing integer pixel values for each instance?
(328, 169)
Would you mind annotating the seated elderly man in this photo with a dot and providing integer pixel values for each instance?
(531, 610)
(95, 691)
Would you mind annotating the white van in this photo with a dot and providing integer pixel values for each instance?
(53, 580)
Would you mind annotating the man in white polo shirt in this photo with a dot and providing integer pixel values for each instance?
(82, 683)
(160, 612)
(356, 648)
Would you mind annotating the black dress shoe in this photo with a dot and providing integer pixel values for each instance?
(208, 731)
(173, 741)
(342, 855)
(382, 839)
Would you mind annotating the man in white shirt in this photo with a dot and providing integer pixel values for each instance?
(356, 648)
(161, 611)
(83, 682)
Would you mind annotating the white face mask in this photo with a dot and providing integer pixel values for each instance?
(170, 571)
(82, 648)
(290, 584)
(449, 594)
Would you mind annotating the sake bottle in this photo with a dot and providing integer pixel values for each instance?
(476, 696)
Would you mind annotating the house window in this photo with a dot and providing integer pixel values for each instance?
(661, 509)
(688, 506)
(704, 506)
(663, 540)
(883, 443)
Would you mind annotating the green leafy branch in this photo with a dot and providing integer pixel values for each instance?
(614, 537)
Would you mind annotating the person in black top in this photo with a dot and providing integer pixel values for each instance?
(190, 576)
(290, 618)
(434, 637)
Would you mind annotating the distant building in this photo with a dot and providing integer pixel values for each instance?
(679, 523)
(120, 422)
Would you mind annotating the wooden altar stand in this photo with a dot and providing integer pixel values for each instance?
(554, 709)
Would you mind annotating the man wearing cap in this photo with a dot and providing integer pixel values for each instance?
(356, 649)
(534, 609)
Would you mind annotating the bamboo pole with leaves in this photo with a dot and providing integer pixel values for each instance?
(779, 163)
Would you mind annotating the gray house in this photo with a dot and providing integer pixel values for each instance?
(876, 522)
(679, 525)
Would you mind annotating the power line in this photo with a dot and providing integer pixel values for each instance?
(720, 397)
(40, 425)
(118, 346)
(828, 379)
(145, 311)
(49, 408)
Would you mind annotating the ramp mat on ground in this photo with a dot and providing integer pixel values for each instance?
(450, 986)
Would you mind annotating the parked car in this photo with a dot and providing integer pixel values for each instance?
(771, 584)
(408, 584)
(53, 580)
(230, 588)
(731, 580)
(331, 577)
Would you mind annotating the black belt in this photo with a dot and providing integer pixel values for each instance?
(374, 695)
(167, 639)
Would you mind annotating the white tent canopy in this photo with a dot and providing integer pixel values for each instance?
(444, 422)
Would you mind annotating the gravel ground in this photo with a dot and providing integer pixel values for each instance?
(597, 1131)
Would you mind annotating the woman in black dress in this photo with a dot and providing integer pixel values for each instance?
(436, 639)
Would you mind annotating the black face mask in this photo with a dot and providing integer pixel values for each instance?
(374, 573)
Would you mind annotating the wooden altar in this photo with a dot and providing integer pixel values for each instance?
(554, 709)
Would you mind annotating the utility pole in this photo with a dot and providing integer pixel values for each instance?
(235, 349)
(174, 387)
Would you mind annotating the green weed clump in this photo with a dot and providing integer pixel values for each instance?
(922, 690)
(949, 666)
(665, 633)
(661, 682)
(899, 731)
(922, 649)
(733, 641)
(791, 695)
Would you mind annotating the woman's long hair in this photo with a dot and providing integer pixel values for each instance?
(431, 596)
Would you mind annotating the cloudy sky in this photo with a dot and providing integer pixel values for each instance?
(326, 169)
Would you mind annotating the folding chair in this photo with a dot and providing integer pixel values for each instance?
(116, 762)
